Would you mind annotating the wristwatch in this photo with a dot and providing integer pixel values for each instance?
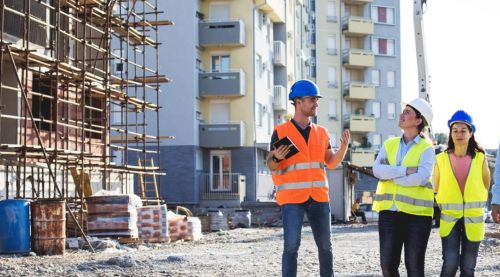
(276, 160)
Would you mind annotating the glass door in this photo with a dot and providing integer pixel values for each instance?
(220, 170)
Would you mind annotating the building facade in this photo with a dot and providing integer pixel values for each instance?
(232, 64)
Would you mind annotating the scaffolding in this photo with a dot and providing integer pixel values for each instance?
(80, 87)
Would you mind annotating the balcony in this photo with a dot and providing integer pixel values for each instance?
(226, 186)
(280, 98)
(279, 53)
(358, 91)
(275, 9)
(222, 135)
(358, 58)
(357, 26)
(361, 157)
(357, 2)
(222, 32)
(230, 83)
(360, 123)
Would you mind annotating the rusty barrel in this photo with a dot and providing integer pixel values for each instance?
(48, 227)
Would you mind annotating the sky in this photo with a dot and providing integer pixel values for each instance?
(463, 58)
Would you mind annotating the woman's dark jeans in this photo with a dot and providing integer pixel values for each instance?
(452, 258)
(397, 229)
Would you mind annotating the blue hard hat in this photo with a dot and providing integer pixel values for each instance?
(303, 88)
(462, 116)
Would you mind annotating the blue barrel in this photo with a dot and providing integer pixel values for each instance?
(14, 226)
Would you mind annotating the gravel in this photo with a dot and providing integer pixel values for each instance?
(239, 252)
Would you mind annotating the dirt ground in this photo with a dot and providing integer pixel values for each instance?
(239, 252)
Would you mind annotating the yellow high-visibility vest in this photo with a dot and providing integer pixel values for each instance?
(416, 200)
(454, 205)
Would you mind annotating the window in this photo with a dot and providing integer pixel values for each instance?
(259, 65)
(332, 78)
(219, 11)
(331, 48)
(42, 107)
(391, 79)
(383, 15)
(220, 63)
(376, 77)
(376, 109)
(332, 109)
(376, 139)
(391, 110)
(259, 114)
(383, 46)
(330, 12)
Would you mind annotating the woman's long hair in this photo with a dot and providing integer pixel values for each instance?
(472, 147)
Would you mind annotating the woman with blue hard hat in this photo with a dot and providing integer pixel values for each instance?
(461, 181)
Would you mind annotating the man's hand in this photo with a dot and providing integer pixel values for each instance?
(495, 212)
(344, 140)
(281, 152)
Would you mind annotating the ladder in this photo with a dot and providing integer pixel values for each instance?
(148, 185)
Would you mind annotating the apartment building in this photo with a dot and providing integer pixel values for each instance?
(357, 66)
(358, 69)
(232, 63)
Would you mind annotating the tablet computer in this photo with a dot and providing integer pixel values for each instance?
(287, 141)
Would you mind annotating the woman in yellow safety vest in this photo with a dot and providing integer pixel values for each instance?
(404, 198)
(461, 180)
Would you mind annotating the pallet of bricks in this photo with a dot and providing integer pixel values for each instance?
(152, 223)
(113, 216)
(183, 227)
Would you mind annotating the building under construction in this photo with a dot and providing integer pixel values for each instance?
(79, 81)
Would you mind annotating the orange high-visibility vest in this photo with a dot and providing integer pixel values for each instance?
(302, 175)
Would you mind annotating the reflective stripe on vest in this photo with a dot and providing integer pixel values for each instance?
(475, 219)
(302, 185)
(460, 206)
(405, 199)
(456, 204)
(300, 166)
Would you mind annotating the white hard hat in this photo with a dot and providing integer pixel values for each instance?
(423, 107)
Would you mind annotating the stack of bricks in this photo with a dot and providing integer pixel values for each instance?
(153, 224)
(184, 228)
(113, 215)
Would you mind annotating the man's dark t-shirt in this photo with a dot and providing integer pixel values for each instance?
(304, 132)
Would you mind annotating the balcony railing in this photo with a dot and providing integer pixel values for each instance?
(228, 32)
(360, 123)
(357, 26)
(222, 135)
(359, 91)
(279, 54)
(280, 98)
(227, 83)
(362, 157)
(358, 58)
(226, 186)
